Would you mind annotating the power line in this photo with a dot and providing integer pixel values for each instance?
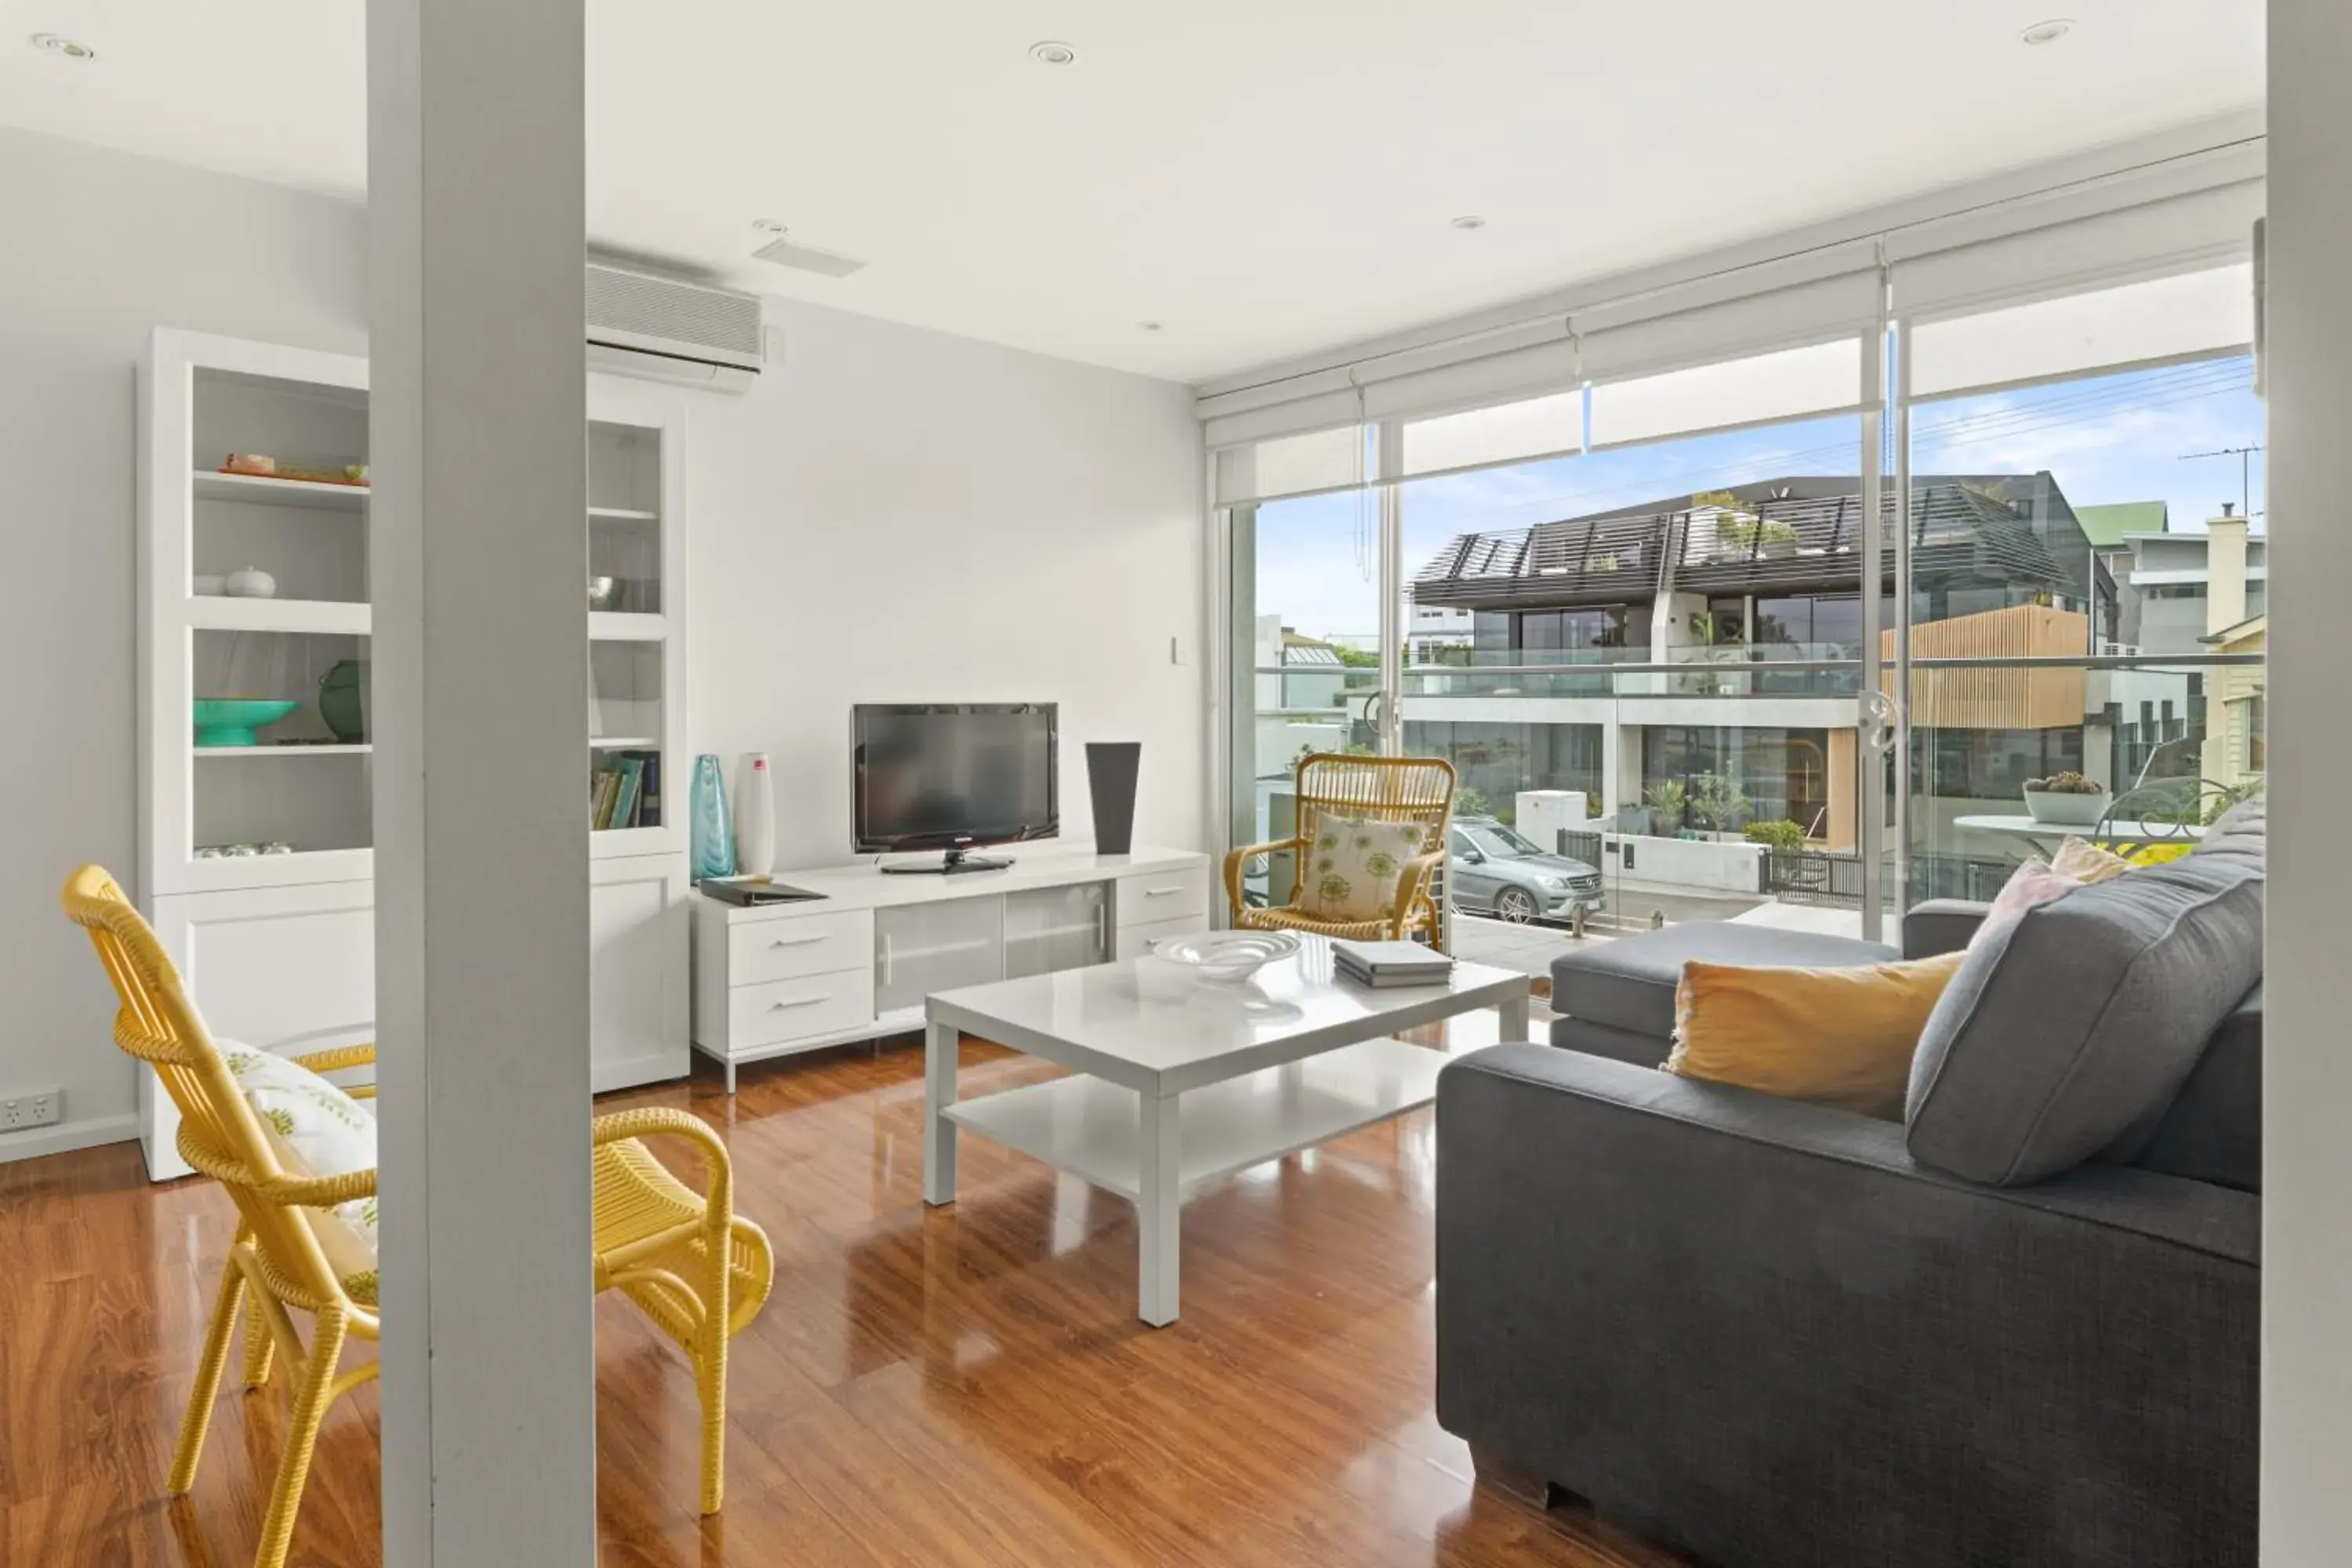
(2245, 456)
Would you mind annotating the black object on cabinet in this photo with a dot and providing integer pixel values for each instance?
(1111, 769)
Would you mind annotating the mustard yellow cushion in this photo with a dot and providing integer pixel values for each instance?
(1841, 1038)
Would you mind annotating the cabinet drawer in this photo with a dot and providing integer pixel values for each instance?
(789, 1009)
(1134, 939)
(759, 951)
(1148, 897)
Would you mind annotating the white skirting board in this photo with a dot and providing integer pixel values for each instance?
(68, 1136)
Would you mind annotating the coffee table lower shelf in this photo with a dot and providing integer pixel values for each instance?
(1091, 1128)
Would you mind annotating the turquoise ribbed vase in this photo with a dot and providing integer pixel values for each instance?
(711, 840)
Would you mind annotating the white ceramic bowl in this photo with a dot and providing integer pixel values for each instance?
(1226, 956)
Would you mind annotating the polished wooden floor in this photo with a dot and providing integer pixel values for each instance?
(959, 1386)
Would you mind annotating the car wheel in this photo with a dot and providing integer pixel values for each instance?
(1513, 905)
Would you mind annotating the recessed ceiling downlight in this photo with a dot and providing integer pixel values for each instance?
(2048, 32)
(66, 49)
(1048, 52)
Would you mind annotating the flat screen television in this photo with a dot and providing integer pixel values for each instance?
(953, 776)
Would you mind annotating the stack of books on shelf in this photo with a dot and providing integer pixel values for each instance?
(1386, 963)
(625, 792)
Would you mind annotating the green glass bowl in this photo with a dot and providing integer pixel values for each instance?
(232, 721)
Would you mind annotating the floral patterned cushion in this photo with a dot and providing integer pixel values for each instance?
(315, 1129)
(1353, 866)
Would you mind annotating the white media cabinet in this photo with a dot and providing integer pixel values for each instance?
(856, 963)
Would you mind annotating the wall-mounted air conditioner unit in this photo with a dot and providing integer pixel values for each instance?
(663, 330)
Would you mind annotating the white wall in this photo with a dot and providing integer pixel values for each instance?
(100, 248)
(901, 516)
(2306, 1511)
(895, 515)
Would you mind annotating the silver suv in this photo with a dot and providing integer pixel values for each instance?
(1494, 871)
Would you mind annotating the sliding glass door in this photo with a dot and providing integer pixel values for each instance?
(2087, 576)
(1303, 655)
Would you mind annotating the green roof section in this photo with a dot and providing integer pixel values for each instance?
(2105, 526)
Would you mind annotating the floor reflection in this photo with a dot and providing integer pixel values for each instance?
(960, 1386)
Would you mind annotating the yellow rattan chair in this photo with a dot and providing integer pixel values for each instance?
(697, 1271)
(1385, 789)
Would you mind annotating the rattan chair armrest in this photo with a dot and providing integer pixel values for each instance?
(1238, 859)
(335, 1059)
(338, 1057)
(1412, 887)
(317, 1192)
(668, 1121)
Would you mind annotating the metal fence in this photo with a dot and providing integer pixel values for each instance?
(1812, 876)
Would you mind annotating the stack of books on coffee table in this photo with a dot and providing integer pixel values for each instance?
(1387, 963)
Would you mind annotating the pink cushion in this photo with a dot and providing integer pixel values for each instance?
(2028, 887)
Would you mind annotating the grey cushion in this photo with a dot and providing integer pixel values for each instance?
(1629, 983)
(2241, 830)
(2061, 1032)
(2212, 1130)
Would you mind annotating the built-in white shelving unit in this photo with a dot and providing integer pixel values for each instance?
(279, 945)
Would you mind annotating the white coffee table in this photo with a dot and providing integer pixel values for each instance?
(1181, 1081)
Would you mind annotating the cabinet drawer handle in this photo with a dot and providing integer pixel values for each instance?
(1160, 892)
(799, 940)
(797, 1002)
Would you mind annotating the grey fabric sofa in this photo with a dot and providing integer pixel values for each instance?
(1762, 1330)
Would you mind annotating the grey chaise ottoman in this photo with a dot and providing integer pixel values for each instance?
(1616, 998)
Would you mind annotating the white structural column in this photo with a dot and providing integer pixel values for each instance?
(478, 548)
(2306, 1510)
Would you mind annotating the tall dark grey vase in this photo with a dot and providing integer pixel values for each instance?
(1111, 769)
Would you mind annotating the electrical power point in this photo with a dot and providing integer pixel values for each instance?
(30, 1108)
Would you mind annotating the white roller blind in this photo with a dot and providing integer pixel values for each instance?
(1291, 466)
(1532, 427)
(1504, 376)
(2106, 329)
(1792, 383)
(1267, 419)
(2175, 233)
(1651, 335)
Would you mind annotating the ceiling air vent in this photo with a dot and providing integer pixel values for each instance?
(808, 258)
(639, 324)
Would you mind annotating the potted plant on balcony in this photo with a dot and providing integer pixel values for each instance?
(1740, 536)
(2066, 800)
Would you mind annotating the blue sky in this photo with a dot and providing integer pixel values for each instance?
(2119, 437)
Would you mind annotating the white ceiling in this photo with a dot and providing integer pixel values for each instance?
(1265, 177)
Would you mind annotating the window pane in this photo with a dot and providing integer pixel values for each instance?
(1306, 631)
(2103, 514)
(1667, 554)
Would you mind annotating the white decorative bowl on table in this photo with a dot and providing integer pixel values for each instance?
(1227, 957)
